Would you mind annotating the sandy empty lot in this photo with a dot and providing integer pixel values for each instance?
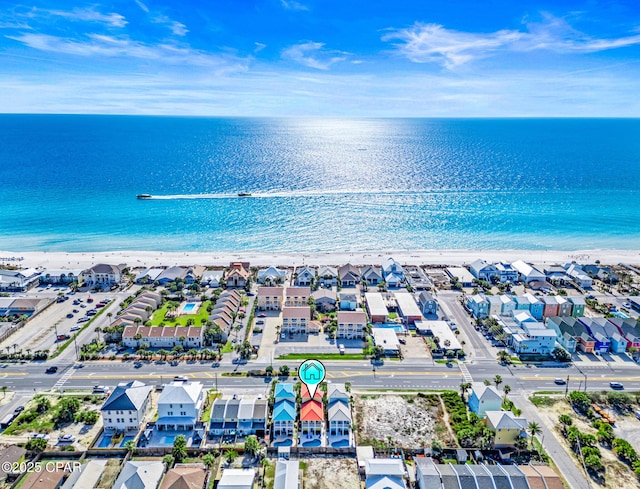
(330, 473)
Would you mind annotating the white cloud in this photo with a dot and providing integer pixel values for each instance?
(259, 47)
(124, 47)
(428, 43)
(293, 5)
(312, 55)
(90, 15)
(142, 6)
(178, 28)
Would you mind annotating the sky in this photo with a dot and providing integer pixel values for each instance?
(356, 58)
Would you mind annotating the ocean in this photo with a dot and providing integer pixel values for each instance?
(69, 183)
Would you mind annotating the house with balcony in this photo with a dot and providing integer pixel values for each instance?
(557, 275)
(478, 305)
(500, 305)
(598, 333)
(126, 406)
(297, 296)
(325, 299)
(527, 273)
(483, 270)
(618, 342)
(238, 275)
(311, 418)
(508, 428)
(283, 418)
(579, 276)
(427, 303)
(339, 416)
(371, 275)
(328, 276)
(534, 338)
(295, 320)
(577, 306)
(102, 275)
(270, 298)
(57, 276)
(393, 273)
(629, 330)
(179, 406)
(565, 334)
(506, 272)
(530, 303)
(305, 277)
(484, 398)
(212, 278)
(348, 275)
(351, 324)
(271, 276)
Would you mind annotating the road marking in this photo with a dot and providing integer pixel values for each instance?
(62, 380)
(465, 372)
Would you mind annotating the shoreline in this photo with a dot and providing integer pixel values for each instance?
(148, 259)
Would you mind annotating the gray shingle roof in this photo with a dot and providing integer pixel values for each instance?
(127, 397)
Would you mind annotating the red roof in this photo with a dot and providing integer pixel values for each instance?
(311, 411)
(305, 395)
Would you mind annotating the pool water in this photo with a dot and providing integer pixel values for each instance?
(167, 439)
(105, 442)
(126, 439)
(189, 307)
(398, 328)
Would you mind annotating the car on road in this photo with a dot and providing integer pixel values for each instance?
(18, 410)
(250, 294)
(83, 306)
(260, 321)
(75, 311)
(69, 316)
(52, 370)
(74, 328)
(616, 385)
(100, 389)
(626, 305)
(63, 337)
(560, 381)
(44, 436)
(180, 378)
(137, 364)
(591, 297)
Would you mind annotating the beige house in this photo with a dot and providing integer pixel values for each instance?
(297, 296)
(295, 320)
(270, 298)
(351, 324)
(238, 275)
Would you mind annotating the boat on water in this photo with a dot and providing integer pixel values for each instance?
(244, 194)
(143, 196)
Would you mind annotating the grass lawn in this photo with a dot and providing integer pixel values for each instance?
(159, 316)
(206, 412)
(322, 356)
(227, 348)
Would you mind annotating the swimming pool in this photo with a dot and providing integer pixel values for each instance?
(619, 314)
(126, 439)
(398, 328)
(167, 439)
(105, 442)
(189, 308)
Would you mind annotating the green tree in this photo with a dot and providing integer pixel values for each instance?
(130, 446)
(497, 380)
(561, 355)
(230, 456)
(534, 430)
(506, 389)
(168, 460)
(464, 387)
(283, 371)
(209, 460)
(593, 462)
(4, 391)
(179, 448)
(269, 370)
(37, 445)
(43, 404)
(67, 409)
(251, 445)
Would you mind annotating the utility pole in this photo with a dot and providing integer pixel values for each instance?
(566, 391)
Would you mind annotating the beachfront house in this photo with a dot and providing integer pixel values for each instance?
(295, 320)
(172, 274)
(270, 298)
(484, 398)
(297, 296)
(325, 299)
(305, 277)
(460, 275)
(352, 324)
(598, 333)
(61, 277)
(271, 276)
(328, 276)
(579, 276)
(393, 273)
(125, 408)
(508, 428)
(238, 275)
(506, 272)
(483, 270)
(528, 273)
(140, 474)
(428, 304)
(557, 275)
(371, 275)
(311, 417)
(212, 278)
(103, 275)
(348, 275)
(179, 406)
(478, 305)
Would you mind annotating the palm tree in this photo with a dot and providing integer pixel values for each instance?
(464, 387)
(497, 380)
(97, 330)
(506, 389)
(109, 315)
(4, 391)
(534, 429)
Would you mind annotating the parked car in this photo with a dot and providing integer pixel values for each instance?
(75, 311)
(616, 385)
(100, 389)
(52, 370)
(44, 436)
(66, 439)
(260, 321)
(402, 341)
(63, 337)
(74, 328)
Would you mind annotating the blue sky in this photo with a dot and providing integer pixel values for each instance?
(415, 58)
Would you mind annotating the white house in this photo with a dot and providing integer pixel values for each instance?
(140, 475)
(305, 276)
(18, 280)
(371, 275)
(237, 479)
(328, 276)
(103, 274)
(527, 272)
(287, 474)
(295, 320)
(179, 406)
(271, 275)
(163, 336)
(64, 276)
(125, 408)
(212, 278)
(392, 272)
(351, 324)
(579, 276)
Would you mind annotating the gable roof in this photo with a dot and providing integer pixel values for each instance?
(312, 411)
(338, 411)
(284, 390)
(287, 473)
(348, 271)
(327, 272)
(180, 393)
(188, 477)
(485, 392)
(139, 475)
(284, 410)
(128, 396)
(505, 420)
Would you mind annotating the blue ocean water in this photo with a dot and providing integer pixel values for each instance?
(68, 183)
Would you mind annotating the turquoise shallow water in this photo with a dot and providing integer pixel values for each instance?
(68, 183)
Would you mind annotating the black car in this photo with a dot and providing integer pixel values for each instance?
(18, 410)
(616, 385)
(52, 370)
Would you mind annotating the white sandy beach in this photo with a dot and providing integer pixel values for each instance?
(136, 259)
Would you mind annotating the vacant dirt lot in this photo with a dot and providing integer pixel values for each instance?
(406, 421)
(330, 473)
